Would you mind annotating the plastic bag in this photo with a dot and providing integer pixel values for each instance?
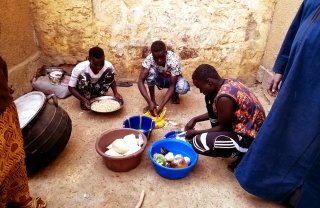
(43, 84)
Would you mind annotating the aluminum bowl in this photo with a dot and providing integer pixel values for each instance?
(107, 98)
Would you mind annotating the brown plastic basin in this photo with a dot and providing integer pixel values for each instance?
(119, 163)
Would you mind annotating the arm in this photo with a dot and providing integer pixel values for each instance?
(225, 108)
(114, 89)
(273, 84)
(191, 124)
(72, 85)
(110, 78)
(82, 99)
(174, 65)
(280, 65)
(169, 93)
(142, 88)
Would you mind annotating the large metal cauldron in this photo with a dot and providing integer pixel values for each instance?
(46, 128)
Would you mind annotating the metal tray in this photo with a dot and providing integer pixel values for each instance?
(107, 98)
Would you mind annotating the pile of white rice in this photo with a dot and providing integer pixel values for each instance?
(104, 106)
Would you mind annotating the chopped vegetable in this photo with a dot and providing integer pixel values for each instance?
(159, 158)
(187, 159)
(168, 159)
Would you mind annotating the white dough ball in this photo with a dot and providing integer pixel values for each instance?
(120, 146)
(131, 140)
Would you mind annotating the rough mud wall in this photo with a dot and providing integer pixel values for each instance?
(284, 12)
(229, 34)
(18, 45)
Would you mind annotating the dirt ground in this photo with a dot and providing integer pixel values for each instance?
(79, 178)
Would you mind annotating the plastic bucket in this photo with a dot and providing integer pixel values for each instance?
(144, 124)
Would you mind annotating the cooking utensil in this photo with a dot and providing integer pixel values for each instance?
(107, 98)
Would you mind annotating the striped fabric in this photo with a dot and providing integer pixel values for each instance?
(220, 144)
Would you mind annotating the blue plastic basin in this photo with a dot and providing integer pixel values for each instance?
(176, 147)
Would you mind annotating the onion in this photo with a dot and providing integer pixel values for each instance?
(169, 157)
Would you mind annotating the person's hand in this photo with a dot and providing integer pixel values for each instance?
(153, 109)
(190, 125)
(158, 111)
(117, 95)
(191, 133)
(87, 104)
(11, 89)
(273, 84)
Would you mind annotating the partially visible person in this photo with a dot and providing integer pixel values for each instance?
(14, 189)
(283, 163)
(234, 112)
(93, 78)
(163, 69)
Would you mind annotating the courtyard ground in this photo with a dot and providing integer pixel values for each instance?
(79, 178)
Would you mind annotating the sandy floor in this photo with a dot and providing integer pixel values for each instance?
(79, 178)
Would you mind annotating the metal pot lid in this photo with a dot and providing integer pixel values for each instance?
(28, 106)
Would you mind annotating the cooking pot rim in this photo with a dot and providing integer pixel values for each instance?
(29, 106)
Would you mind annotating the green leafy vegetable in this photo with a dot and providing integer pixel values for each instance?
(159, 158)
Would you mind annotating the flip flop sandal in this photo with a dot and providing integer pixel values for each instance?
(124, 84)
(35, 203)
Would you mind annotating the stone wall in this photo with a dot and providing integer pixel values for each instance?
(284, 13)
(229, 34)
(18, 44)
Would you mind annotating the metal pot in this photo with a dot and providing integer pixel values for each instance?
(46, 128)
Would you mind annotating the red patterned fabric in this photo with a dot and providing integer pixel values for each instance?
(249, 113)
